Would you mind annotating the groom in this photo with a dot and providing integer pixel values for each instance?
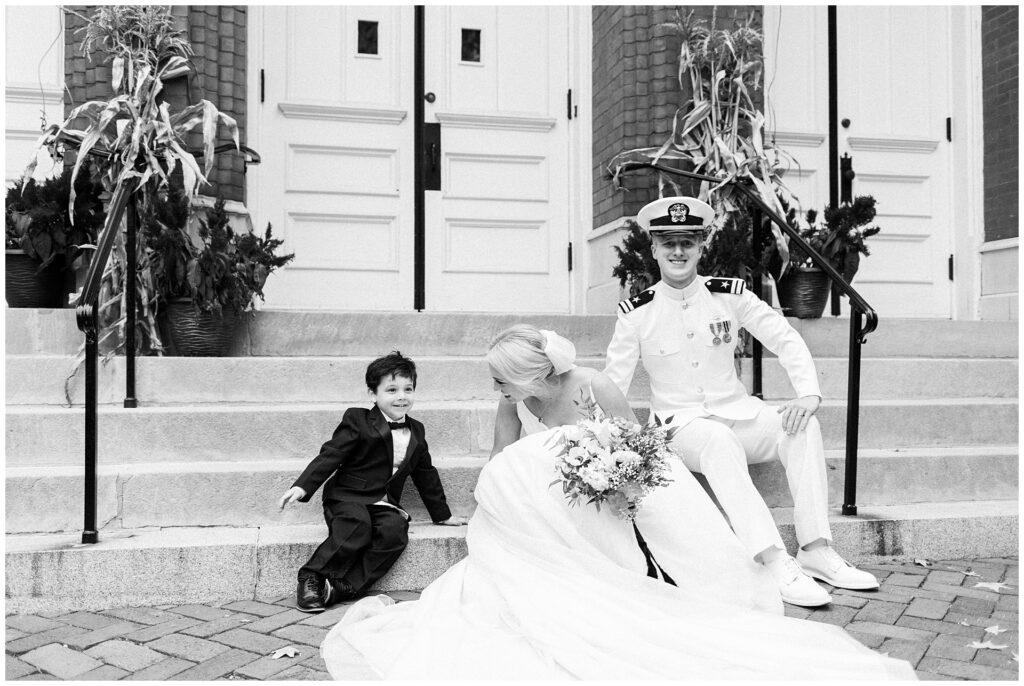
(684, 329)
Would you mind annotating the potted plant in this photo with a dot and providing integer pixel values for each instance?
(43, 240)
(719, 129)
(139, 143)
(206, 283)
(804, 288)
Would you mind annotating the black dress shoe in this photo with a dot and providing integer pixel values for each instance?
(338, 591)
(310, 594)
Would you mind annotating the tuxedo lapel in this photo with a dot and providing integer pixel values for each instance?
(380, 424)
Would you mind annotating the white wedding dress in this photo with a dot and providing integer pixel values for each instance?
(550, 591)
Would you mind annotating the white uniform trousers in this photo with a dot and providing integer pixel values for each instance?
(721, 449)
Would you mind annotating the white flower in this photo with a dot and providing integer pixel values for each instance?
(595, 477)
(605, 457)
(626, 457)
(572, 433)
(575, 456)
(601, 430)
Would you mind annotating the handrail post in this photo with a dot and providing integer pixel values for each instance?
(87, 322)
(852, 414)
(757, 352)
(129, 339)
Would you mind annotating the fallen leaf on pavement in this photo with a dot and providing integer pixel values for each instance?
(923, 562)
(991, 585)
(987, 644)
(287, 651)
(964, 622)
(994, 630)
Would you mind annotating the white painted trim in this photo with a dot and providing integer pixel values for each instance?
(255, 178)
(581, 196)
(1001, 244)
(800, 139)
(912, 145)
(31, 94)
(610, 227)
(508, 122)
(967, 159)
(313, 110)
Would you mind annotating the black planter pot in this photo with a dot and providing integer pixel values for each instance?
(29, 287)
(803, 292)
(199, 334)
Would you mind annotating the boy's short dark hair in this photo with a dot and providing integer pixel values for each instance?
(392, 364)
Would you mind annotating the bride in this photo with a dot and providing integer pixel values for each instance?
(550, 591)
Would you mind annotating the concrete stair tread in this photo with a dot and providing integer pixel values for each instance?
(220, 564)
(206, 536)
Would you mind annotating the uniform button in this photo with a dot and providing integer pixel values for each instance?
(689, 334)
(686, 306)
(695, 363)
(700, 390)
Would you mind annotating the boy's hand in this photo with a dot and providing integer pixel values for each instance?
(453, 521)
(291, 495)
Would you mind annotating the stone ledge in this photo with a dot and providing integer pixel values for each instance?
(220, 564)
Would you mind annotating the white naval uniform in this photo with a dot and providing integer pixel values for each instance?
(721, 428)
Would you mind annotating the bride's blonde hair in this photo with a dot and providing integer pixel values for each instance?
(517, 355)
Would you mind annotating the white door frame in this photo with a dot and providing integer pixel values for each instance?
(967, 159)
(581, 159)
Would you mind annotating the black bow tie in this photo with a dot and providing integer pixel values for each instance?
(397, 425)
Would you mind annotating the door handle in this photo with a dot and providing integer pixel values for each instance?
(846, 177)
(432, 157)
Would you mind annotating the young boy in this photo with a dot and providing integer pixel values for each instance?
(365, 465)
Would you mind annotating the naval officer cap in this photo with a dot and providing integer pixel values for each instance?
(675, 215)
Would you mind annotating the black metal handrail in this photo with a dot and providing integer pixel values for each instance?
(859, 308)
(87, 314)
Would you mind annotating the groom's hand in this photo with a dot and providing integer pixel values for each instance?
(291, 495)
(796, 413)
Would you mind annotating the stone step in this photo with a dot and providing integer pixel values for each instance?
(287, 333)
(40, 380)
(47, 435)
(246, 493)
(145, 567)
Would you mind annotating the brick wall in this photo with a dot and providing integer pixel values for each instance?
(636, 94)
(218, 37)
(999, 64)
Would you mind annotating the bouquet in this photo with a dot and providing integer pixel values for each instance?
(613, 461)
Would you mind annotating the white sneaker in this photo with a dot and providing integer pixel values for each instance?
(825, 563)
(795, 586)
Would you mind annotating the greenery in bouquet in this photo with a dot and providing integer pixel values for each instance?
(38, 220)
(613, 461)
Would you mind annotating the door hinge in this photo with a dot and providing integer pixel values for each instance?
(569, 255)
(568, 103)
(950, 267)
(263, 86)
(949, 129)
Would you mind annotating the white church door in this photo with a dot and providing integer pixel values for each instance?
(497, 232)
(335, 126)
(894, 97)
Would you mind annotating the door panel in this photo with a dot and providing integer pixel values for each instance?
(337, 173)
(897, 97)
(497, 232)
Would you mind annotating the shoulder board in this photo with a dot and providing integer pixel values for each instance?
(734, 286)
(642, 298)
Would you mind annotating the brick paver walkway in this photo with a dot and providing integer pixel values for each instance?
(938, 618)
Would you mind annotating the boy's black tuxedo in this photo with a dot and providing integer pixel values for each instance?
(355, 468)
(357, 465)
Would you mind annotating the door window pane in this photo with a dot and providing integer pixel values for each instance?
(470, 45)
(367, 38)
